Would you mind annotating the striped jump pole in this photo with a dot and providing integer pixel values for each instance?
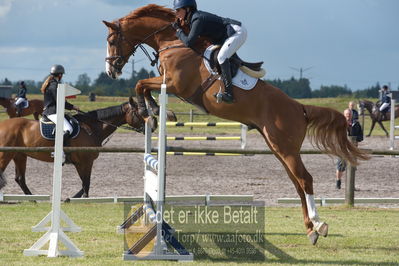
(242, 138)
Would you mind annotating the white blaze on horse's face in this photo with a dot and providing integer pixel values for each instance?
(110, 70)
(359, 109)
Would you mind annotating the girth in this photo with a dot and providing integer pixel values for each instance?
(197, 98)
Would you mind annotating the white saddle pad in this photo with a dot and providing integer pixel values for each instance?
(241, 79)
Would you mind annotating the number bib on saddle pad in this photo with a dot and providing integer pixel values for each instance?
(241, 79)
(47, 127)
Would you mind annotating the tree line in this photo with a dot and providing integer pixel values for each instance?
(105, 86)
(102, 85)
(300, 89)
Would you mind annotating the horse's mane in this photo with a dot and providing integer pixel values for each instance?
(108, 112)
(151, 10)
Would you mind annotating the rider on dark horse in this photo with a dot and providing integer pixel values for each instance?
(385, 102)
(228, 33)
(49, 89)
(21, 98)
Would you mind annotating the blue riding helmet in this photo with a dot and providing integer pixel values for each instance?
(184, 3)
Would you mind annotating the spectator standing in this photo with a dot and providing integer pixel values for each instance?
(354, 129)
(355, 114)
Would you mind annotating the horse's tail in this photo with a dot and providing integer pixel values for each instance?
(327, 130)
(3, 181)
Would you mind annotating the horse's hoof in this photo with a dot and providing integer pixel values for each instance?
(323, 229)
(152, 122)
(313, 236)
(170, 116)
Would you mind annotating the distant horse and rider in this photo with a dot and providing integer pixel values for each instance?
(376, 115)
(34, 107)
(282, 121)
(95, 127)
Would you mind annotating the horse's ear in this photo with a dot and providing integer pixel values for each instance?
(132, 102)
(110, 25)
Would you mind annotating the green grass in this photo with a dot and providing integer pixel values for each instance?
(175, 104)
(357, 236)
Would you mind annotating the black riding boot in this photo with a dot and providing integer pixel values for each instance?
(18, 110)
(227, 96)
(67, 137)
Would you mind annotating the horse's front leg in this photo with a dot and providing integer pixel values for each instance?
(153, 105)
(372, 127)
(20, 170)
(143, 91)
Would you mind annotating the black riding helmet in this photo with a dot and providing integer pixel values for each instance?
(57, 69)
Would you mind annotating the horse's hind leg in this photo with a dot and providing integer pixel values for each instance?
(84, 168)
(383, 128)
(305, 181)
(287, 151)
(20, 170)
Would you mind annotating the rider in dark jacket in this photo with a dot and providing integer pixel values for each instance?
(228, 33)
(385, 101)
(21, 97)
(49, 90)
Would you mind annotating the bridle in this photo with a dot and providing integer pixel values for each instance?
(118, 61)
(139, 129)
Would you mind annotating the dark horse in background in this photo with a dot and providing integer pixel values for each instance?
(96, 126)
(282, 121)
(375, 114)
(35, 107)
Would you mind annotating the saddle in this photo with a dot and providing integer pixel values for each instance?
(252, 69)
(47, 127)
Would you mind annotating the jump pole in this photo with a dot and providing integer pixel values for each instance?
(55, 232)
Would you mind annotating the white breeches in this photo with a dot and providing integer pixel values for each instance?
(19, 100)
(67, 125)
(233, 43)
(383, 106)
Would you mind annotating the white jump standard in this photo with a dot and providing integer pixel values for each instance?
(55, 232)
(154, 192)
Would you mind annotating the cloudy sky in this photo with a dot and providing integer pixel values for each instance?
(334, 42)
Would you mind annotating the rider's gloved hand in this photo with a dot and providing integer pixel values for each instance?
(176, 25)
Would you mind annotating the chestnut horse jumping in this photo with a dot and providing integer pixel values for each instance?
(96, 126)
(35, 107)
(282, 121)
(375, 114)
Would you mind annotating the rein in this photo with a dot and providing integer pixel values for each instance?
(118, 61)
(136, 129)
